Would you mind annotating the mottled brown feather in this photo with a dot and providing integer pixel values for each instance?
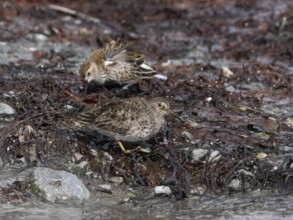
(130, 119)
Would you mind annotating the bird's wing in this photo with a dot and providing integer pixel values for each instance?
(115, 51)
(115, 117)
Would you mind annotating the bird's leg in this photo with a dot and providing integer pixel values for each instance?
(123, 148)
(139, 149)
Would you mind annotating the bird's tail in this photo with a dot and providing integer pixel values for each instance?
(148, 72)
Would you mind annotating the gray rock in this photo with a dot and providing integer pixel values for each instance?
(234, 184)
(187, 136)
(59, 185)
(37, 37)
(6, 109)
(10, 94)
(230, 89)
(198, 154)
(116, 179)
(215, 155)
(107, 188)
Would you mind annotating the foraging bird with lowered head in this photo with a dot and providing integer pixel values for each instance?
(116, 64)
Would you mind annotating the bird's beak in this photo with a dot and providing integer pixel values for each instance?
(85, 85)
(174, 115)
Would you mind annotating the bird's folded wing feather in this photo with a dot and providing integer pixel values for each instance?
(114, 117)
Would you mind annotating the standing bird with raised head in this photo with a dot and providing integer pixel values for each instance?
(132, 120)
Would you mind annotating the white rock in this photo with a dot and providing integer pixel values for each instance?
(227, 72)
(69, 107)
(6, 109)
(59, 185)
(105, 186)
(198, 154)
(215, 155)
(209, 99)
(116, 179)
(163, 190)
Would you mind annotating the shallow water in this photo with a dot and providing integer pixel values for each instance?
(248, 206)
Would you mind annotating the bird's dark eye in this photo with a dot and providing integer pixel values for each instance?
(160, 105)
(88, 73)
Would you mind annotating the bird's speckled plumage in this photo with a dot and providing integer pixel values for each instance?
(134, 119)
(115, 63)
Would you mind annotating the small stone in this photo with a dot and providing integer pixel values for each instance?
(80, 168)
(215, 155)
(37, 37)
(234, 184)
(163, 190)
(275, 168)
(209, 99)
(68, 107)
(77, 156)
(261, 155)
(187, 136)
(191, 123)
(198, 190)
(198, 154)
(116, 179)
(106, 188)
(227, 72)
(82, 164)
(94, 152)
(10, 94)
(6, 109)
(230, 89)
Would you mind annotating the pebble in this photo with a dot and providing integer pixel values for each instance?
(187, 136)
(82, 164)
(199, 190)
(234, 184)
(69, 107)
(37, 37)
(261, 155)
(116, 179)
(163, 190)
(10, 94)
(106, 188)
(227, 72)
(230, 89)
(215, 155)
(198, 154)
(6, 109)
